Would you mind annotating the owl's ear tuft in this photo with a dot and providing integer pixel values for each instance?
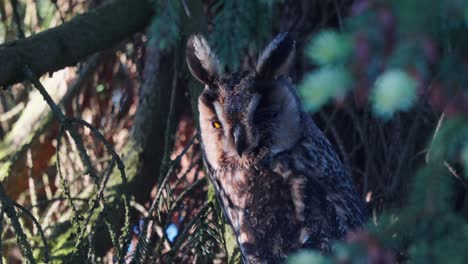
(277, 57)
(202, 62)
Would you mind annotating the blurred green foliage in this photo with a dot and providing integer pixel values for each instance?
(427, 229)
(404, 54)
(387, 42)
(165, 27)
(307, 257)
(320, 86)
(329, 47)
(240, 27)
(394, 90)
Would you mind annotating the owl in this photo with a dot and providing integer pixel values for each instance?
(277, 178)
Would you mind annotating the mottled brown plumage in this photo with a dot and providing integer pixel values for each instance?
(278, 179)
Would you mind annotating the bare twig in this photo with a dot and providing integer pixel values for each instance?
(338, 14)
(436, 131)
(32, 187)
(16, 16)
(455, 174)
(142, 240)
(170, 117)
(338, 141)
(12, 112)
(186, 231)
(58, 10)
(186, 8)
(176, 203)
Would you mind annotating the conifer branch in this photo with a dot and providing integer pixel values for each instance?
(73, 41)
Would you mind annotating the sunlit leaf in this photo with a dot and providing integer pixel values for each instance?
(329, 47)
(320, 86)
(100, 88)
(393, 91)
(308, 257)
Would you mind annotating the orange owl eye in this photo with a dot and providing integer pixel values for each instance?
(216, 124)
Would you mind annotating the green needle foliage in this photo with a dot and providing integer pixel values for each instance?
(165, 27)
(428, 229)
(240, 27)
(388, 59)
(404, 54)
(399, 46)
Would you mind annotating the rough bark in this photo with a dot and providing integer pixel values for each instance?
(149, 119)
(73, 41)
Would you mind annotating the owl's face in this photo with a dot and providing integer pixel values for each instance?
(245, 116)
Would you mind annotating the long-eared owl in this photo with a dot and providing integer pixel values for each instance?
(280, 183)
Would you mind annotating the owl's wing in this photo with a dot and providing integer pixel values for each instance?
(324, 190)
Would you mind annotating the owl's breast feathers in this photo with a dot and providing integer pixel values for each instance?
(301, 197)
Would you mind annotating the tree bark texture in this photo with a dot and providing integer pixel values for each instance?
(72, 41)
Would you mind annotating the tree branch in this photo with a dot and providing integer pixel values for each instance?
(73, 41)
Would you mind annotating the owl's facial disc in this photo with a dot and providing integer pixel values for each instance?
(238, 130)
(227, 122)
(246, 116)
(244, 121)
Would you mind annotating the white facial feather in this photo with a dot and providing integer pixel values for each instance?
(209, 136)
(207, 58)
(228, 144)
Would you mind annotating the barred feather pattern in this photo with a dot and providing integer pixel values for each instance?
(279, 182)
(299, 198)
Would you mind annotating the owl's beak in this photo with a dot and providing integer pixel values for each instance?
(238, 133)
